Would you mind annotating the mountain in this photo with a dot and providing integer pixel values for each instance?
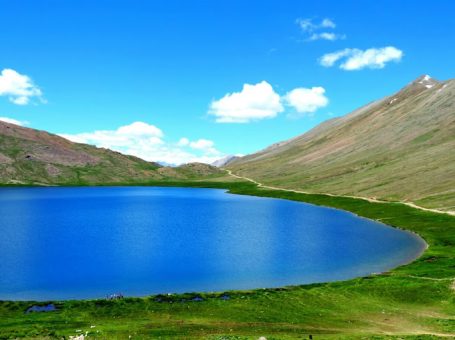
(401, 148)
(224, 161)
(29, 156)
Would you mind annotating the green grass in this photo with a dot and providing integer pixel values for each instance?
(415, 301)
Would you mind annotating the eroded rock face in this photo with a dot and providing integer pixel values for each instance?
(61, 155)
(45, 147)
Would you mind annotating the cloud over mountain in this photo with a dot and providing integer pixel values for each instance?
(13, 121)
(147, 141)
(19, 88)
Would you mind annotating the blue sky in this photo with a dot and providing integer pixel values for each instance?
(177, 81)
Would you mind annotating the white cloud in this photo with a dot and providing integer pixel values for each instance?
(306, 100)
(306, 25)
(131, 136)
(327, 23)
(254, 102)
(260, 101)
(13, 121)
(356, 59)
(202, 144)
(313, 29)
(205, 145)
(19, 88)
(140, 129)
(372, 58)
(329, 59)
(147, 141)
(326, 36)
(183, 141)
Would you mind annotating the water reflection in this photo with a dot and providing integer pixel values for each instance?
(89, 242)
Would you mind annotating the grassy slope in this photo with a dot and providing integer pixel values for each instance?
(410, 300)
(400, 148)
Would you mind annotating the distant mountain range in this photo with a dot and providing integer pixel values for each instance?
(29, 156)
(401, 147)
(224, 161)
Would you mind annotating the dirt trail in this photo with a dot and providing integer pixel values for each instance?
(432, 278)
(369, 199)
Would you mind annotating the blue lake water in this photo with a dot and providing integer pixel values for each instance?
(71, 243)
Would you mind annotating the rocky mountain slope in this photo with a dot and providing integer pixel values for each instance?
(224, 161)
(29, 156)
(399, 148)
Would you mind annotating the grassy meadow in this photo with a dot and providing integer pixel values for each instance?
(415, 301)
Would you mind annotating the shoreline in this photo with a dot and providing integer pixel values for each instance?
(406, 261)
(413, 296)
(369, 199)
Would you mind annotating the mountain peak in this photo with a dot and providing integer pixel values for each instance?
(421, 84)
(426, 81)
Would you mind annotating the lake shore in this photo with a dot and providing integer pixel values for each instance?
(245, 242)
(412, 300)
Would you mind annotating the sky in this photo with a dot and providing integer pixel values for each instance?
(181, 81)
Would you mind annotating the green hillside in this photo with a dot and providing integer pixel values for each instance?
(33, 157)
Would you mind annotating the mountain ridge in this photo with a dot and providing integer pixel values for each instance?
(395, 148)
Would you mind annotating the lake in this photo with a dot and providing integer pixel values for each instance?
(88, 242)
